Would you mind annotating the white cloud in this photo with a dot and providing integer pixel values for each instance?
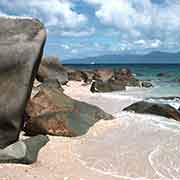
(81, 33)
(51, 12)
(139, 18)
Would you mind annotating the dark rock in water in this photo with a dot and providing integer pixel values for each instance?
(24, 152)
(21, 47)
(165, 98)
(125, 76)
(177, 80)
(52, 112)
(146, 84)
(89, 74)
(107, 86)
(164, 74)
(50, 68)
(107, 80)
(103, 74)
(154, 108)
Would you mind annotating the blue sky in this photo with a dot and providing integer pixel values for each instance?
(83, 28)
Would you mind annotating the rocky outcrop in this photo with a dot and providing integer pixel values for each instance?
(154, 108)
(51, 69)
(21, 47)
(107, 86)
(24, 151)
(107, 80)
(52, 112)
(126, 76)
(146, 84)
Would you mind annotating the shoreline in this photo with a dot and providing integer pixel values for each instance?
(136, 140)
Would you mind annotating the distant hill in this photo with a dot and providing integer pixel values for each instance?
(151, 58)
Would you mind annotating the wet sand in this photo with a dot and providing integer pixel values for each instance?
(130, 147)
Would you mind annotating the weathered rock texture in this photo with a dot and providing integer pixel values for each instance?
(50, 69)
(24, 151)
(107, 80)
(154, 108)
(52, 112)
(21, 47)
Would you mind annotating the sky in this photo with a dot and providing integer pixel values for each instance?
(85, 28)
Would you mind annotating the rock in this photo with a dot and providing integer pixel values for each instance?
(146, 84)
(103, 74)
(125, 76)
(75, 75)
(24, 152)
(53, 83)
(154, 108)
(52, 112)
(164, 74)
(50, 68)
(107, 86)
(107, 80)
(90, 74)
(21, 48)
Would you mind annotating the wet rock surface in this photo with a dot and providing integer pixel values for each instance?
(154, 108)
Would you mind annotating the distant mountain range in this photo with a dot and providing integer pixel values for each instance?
(151, 58)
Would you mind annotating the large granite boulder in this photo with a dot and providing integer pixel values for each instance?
(24, 151)
(154, 108)
(21, 48)
(52, 112)
(50, 68)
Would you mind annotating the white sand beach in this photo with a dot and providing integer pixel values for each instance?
(130, 147)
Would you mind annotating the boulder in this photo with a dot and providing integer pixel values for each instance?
(154, 108)
(21, 48)
(50, 68)
(146, 84)
(164, 74)
(126, 76)
(52, 112)
(107, 80)
(103, 74)
(88, 75)
(107, 86)
(24, 151)
(75, 75)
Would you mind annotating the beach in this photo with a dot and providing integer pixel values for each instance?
(130, 147)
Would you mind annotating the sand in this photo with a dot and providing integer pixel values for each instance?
(130, 147)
